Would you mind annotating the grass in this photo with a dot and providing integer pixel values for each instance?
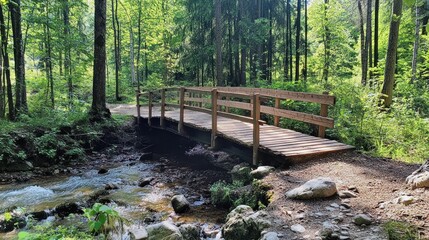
(401, 231)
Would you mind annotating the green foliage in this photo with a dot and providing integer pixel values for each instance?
(54, 233)
(400, 231)
(102, 219)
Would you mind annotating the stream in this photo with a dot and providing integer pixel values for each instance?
(170, 173)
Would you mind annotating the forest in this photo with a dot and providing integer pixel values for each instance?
(64, 155)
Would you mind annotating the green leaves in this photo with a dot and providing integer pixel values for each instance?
(102, 218)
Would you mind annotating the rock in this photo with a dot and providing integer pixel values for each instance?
(261, 172)
(103, 171)
(65, 209)
(298, 228)
(269, 236)
(241, 173)
(315, 188)
(243, 223)
(39, 216)
(56, 171)
(362, 219)
(145, 181)
(111, 186)
(18, 166)
(328, 231)
(418, 180)
(347, 194)
(146, 157)
(11, 224)
(406, 200)
(190, 231)
(138, 234)
(180, 204)
(164, 230)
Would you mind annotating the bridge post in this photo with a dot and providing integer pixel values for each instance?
(138, 107)
(256, 118)
(323, 113)
(277, 118)
(182, 109)
(162, 119)
(149, 118)
(215, 96)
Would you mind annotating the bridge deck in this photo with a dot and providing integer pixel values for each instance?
(279, 141)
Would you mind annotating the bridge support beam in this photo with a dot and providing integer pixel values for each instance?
(256, 118)
(215, 96)
(182, 110)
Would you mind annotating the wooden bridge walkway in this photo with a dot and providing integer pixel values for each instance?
(210, 110)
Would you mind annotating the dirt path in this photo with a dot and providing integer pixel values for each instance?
(378, 183)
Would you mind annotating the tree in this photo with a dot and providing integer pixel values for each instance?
(416, 43)
(218, 30)
(298, 39)
(6, 66)
(20, 89)
(389, 71)
(99, 109)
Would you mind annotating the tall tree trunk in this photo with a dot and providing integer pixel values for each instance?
(364, 53)
(232, 81)
(139, 45)
(327, 39)
(237, 38)
(368, 43)
(298, 39)
(270, 43)
(48, 57)
(6, 66)
(20, 89)
(218, 30)
(67, 55)
(132, 64)
(389, 71)
(243, 45)
(2, 89)
(289, 27)
(376, 24)
(416, 45)
(286, 43)
(116, 48)
(305, 70)
(98, 108)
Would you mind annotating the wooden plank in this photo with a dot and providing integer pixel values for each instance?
(323, 113)
(299, 116)
(319, 151)
(234, 104)
(182, 110)
(256, 117)
(214, 117)
(239, 117)
(200, 91)
(277, 118)
(300, 144)
(198, 109)
(149, 117)
(198, 100)
(320, 147)
(234, 95)
(162, 120)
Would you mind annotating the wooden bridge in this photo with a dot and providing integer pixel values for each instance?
(234, 113)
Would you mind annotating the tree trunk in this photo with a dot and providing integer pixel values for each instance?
(376, 23)
(364, 53)
(48, 57)
(270, 43)
(20, 89)
(132, 66)
(98, 108)
(289, 27)
(368, 43)
(305, 70)
(139, 45)
(298, 39)
(218, 30)
(2, 89)
(389, 71)
(6, 66)
(416, 46)
(327, 53)
(67, 57)
(116, 47)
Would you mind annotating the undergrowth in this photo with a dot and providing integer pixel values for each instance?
(401, 231)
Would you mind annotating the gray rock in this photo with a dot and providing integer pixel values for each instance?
(347, 194)
(261, 172)
(406, 200)
(269, 236)
(315, 188)
(180, 204)
(298, 228)
(420, 177)
(165, 231)
(190, 231)
(138, 234)
(241, 173)
(243, 223)
(328, 231)
(145, 181)
(362, 219)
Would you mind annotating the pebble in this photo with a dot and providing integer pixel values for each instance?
(298, 228)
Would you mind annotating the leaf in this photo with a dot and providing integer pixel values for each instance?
(409, 3)
(23, 235)
(7, 216)
(104, 208)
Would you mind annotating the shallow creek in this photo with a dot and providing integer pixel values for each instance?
(172, 174)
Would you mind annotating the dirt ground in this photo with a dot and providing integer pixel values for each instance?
(378, 182)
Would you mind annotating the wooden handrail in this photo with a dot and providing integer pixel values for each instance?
(195, 98)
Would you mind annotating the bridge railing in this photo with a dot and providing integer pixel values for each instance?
(221, 100)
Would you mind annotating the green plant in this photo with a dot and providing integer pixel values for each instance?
(102, 219)
(401, 231)
(45, 232)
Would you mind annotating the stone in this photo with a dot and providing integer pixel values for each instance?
(145, 181)
(11, 224)
(111, 186)
(39, 216)
(269, 236)
(261, 172)
(362, 219)
(328, 230)
(180, 204)
(298, 228)
(190, 231)
(406, 200)
(138, 234)
(65, 209)
(244, 223)
(347, 194)
(420, 180)
(315, 188)
(241, 173)
(103, 171)
(164, 230)
(146, 157)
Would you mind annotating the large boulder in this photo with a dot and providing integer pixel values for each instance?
(420, 177)
(261, 172)
(315, 188)
(180, 204)
(190, 231)
(244, 223)
(164, 231)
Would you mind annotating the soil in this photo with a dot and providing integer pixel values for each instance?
(378, 182)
